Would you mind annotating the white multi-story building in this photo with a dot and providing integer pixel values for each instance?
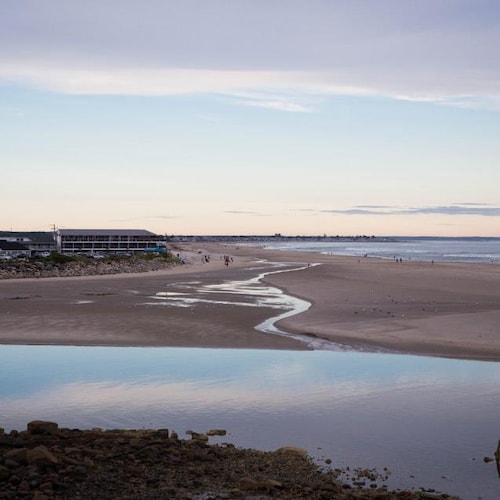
(108, 241)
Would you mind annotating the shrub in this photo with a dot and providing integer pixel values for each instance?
(58, 258)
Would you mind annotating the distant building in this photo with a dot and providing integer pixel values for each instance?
(36, 241)
(107, 241)
(13, 249)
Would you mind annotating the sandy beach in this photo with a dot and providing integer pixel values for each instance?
(439, 309)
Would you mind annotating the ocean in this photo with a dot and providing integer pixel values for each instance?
(468, 250)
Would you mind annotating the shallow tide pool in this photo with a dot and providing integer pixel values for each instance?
(430, 421)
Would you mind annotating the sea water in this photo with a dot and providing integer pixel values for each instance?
(473, 250)
(430, 421)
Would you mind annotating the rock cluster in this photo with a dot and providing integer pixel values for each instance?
(83, 267)
(45, 462)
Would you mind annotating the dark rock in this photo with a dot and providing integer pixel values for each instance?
(40, 496)
(47, 487)
(4, 473)
(43, 427)
(24, 486)
(14, 479)
(216, 432)
(292, 450)
(18, 455)
(41, 456)
(11, 464)
(149, 464)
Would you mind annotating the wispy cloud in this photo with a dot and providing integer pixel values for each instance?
(358, 211)
(279, 105)
(467, 204)
(488, 211)
(78, 77)
(404, 50)
(477, 209)
(293, 99)
(244, 212)
(374, 206)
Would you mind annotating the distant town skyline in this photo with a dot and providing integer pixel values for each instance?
(284, 116)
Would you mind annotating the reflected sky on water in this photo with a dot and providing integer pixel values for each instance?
(434, 419)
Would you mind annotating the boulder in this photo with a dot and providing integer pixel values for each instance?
(249, 483)
(292, 450)
(41, 456)
(43, 427)
(17, 454)
(216, 432)
(4, 473)
(197, 436)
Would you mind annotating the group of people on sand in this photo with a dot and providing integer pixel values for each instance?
(205, 259)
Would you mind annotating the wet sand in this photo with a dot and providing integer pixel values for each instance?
(439, 309)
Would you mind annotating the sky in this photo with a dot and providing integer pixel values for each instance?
(299, 117)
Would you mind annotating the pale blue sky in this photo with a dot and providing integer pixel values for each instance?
(223, 117)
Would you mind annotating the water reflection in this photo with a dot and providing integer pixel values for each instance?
(249, 293)
(430, 418)
(252, 292)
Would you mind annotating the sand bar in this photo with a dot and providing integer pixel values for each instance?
(442, 309)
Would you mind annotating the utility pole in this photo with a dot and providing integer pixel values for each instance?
(54, 232)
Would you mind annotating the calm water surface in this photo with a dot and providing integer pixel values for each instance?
(430, 421)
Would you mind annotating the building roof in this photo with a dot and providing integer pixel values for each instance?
(105, 232)
(32, 236)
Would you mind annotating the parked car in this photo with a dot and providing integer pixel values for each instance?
(41, 254)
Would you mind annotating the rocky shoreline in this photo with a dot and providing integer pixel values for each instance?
(46, 462)
(47, 268)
